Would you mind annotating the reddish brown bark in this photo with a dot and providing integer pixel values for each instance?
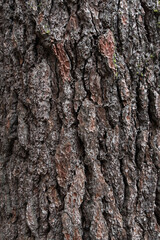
(79, 120)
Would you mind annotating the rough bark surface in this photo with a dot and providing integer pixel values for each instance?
(79, 119)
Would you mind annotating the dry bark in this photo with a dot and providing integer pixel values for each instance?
(80, 118)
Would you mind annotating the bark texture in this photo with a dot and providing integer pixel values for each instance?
(79, 120)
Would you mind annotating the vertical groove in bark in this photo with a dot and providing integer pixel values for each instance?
(79, 120)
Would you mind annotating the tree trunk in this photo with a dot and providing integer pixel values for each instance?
(80, 118)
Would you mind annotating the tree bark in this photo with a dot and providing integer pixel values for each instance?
(79, 120)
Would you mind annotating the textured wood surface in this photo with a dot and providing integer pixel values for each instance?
(79, 120)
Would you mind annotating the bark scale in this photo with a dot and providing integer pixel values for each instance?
(80, 118)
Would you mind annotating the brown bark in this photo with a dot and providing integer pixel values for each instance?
(80, 118)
